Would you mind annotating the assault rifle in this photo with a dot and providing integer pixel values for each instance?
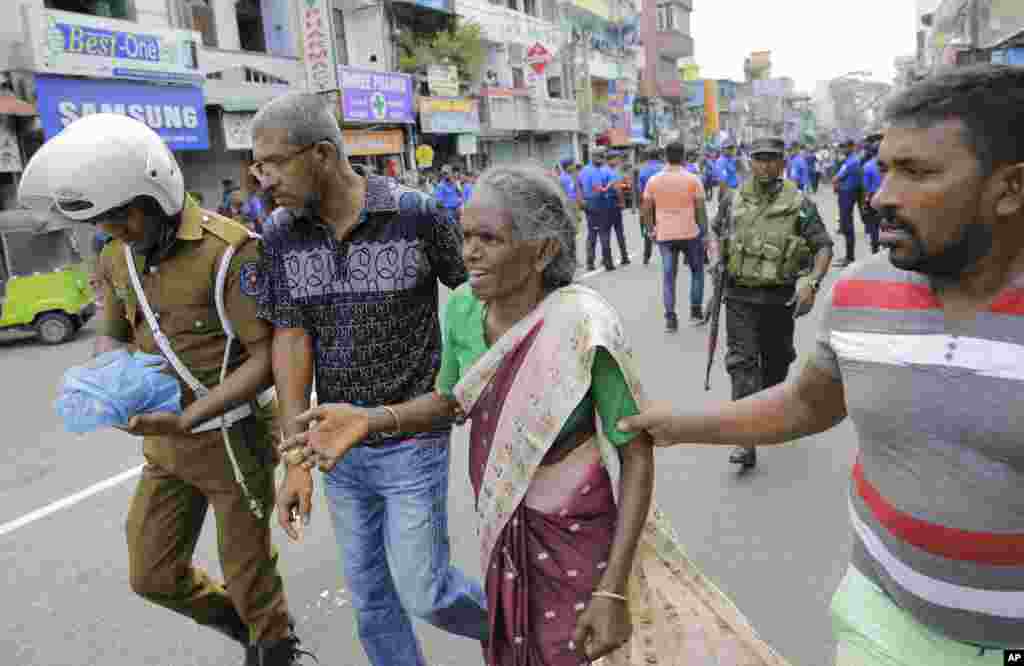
(714, 310)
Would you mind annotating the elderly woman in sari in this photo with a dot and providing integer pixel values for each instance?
(541, 368)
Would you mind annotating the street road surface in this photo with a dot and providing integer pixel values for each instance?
(775, 540)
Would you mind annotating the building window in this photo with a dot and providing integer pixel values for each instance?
(511, 4)
(518, 78)
(118, 9)
(250, 26)
(530, 7)
(666, 19)
(200, 18)
(340, 45)
(555, 87)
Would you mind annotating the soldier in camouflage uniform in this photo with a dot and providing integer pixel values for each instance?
(777, 252)
(115, 172)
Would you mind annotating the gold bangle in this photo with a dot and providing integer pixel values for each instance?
(609, 595)
(394, 415)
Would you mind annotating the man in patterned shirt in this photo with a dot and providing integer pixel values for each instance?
(923, 347)
(350, 275)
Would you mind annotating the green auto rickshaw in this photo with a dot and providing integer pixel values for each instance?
(44, 283)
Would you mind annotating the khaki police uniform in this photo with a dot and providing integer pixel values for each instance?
(186, 474)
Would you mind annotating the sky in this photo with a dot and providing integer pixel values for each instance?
(810, 40)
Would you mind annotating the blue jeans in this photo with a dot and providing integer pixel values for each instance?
(694, 251)
(389, 506)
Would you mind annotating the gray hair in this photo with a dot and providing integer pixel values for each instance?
(539, 211)
(306, 118)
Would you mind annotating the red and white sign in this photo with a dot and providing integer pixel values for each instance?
(538, 57)
(318, 46)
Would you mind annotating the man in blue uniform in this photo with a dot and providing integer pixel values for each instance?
(651, 167)
(849, 184)
(615, 200)
(725, 171)
(593, 183)
(447, 194)
(872, 182)
(797, 170)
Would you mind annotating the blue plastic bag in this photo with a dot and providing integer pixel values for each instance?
(112, 388)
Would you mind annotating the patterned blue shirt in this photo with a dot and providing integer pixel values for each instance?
(369, 302)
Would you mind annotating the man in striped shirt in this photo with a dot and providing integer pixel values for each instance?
(923, 348)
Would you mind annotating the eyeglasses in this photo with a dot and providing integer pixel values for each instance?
(275, 163)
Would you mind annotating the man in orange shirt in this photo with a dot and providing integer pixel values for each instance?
(674, 207)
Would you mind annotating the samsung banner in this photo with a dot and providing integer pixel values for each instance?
(176, 113)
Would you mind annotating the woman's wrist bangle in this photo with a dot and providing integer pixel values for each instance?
(609, 595)
(394, 415)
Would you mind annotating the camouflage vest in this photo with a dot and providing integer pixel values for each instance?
(765, 248)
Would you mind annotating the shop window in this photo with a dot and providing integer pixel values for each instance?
(118, 9)
(512, 4)
(530, 7)
(250, 26)
(200, 19)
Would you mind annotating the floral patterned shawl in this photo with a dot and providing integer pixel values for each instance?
(680, 617)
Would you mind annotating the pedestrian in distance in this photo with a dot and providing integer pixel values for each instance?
(569, 562)
(922, 348)
(776, 252)
(674, 209)
(569, 180)
(168, 261)
(811, 157)
(350, 284)
(651, 166)
(594, 181)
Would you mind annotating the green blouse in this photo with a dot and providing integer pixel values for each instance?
(465, 343)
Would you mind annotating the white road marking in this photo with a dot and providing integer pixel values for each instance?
(129, 474)
(70, 500)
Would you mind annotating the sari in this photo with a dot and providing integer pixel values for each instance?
(546, 530)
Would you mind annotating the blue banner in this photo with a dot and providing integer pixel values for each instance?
(176, 113)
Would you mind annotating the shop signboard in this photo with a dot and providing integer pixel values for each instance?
(99, 47)
(369, 96)
(237, 129)
(370, 142)
(318, 45)
(443, 80)
(176, 113)
(449, 116)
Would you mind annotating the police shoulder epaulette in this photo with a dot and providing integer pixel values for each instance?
(231, 232)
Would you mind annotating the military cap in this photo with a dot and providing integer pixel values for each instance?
(771, 144)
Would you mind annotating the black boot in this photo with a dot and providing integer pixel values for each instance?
(285, 652)
(671, 322)
(696, 315)
(233, 627)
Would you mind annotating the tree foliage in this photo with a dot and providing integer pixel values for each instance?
(462, 46)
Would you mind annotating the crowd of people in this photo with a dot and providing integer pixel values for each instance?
(921, 347)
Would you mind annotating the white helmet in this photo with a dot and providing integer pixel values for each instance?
(98, 163)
